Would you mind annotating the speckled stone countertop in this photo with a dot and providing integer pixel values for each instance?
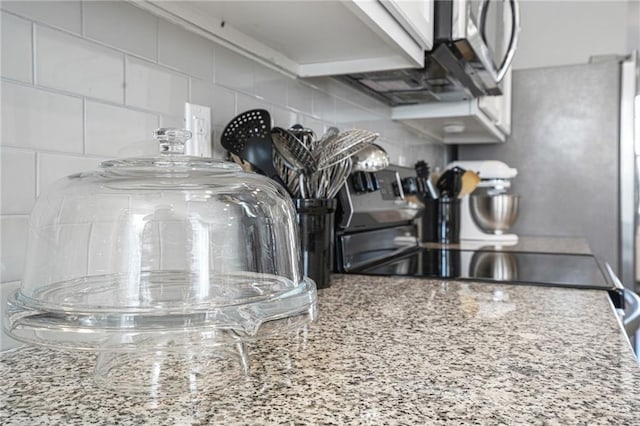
(525, 243)
(383, 351)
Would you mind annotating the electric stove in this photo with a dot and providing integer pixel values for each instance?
(578, 271)
(376, 235)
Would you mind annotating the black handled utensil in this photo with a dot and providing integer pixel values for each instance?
(248, 136)
(450, 182)
(423, 172)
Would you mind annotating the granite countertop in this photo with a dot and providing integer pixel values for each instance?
(384, 350)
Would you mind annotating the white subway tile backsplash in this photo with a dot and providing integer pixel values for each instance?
(324, 106)
(246, 102)
(18, 180)
(394, 151)
(66, 15)
(119, 132)
(431, 153)
(343, 91)
(217, 150)
(221, 101)
(172, 121)
(13, 241)
(33, 118)
(270, 85)
(6, 289)
(122, 25)
(316, 125)
(347, 114)
(283, 117)
(52, 167)
(185, 51)
(16, 48)
(69, 63)
(299, 96)
(233, 71)
(155, 88)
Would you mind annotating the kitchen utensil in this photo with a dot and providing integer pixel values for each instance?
(306, 135)
(332, 178)
(494, 213)
(372, 158)
(470, 181)
(242, 163)
(296, 155)
(344, 146)
(449, 183)
(422, 171)
(248, 135)
(329, 135)
(167, 258)
(293, 150)
(288, 175)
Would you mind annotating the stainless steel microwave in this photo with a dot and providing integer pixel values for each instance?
(475, 41)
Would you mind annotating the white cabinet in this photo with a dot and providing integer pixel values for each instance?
(481, 120)
(498, 108)
(312, 38)
(416, 17)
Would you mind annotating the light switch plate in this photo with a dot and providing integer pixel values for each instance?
(197, 119)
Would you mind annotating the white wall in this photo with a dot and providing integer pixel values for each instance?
(633, 28)
(87, 81)
(570, 32)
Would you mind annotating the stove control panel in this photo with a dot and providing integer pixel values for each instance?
(373, 199)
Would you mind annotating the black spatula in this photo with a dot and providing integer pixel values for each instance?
(248, 136)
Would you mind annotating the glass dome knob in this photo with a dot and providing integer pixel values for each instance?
(172, 141)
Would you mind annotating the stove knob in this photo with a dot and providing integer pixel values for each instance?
(409, 185)
(375, 182)
(359, 183)
(396, 190)
(368, 182)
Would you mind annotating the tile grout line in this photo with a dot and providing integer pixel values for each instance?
(124, 80)
(33, 53)
(84, 126)
(82, 30)
(157, 46)
(37, 171)
(39, 151)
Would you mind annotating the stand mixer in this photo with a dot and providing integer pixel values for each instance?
(487, 213)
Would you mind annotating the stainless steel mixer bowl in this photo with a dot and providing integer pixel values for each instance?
(494, 213)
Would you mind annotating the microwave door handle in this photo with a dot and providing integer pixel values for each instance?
(482, 18)
(513, 41)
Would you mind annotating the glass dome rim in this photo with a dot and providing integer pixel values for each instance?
(166, 162)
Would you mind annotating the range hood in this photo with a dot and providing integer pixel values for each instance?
(462, 64)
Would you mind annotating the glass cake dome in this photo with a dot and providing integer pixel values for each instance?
(167, 254)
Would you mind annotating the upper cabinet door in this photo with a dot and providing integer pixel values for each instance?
(312, 38)
(416, 16)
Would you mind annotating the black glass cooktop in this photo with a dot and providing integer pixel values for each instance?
(545, 269)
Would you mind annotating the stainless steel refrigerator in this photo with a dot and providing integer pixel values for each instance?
(576, 143)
